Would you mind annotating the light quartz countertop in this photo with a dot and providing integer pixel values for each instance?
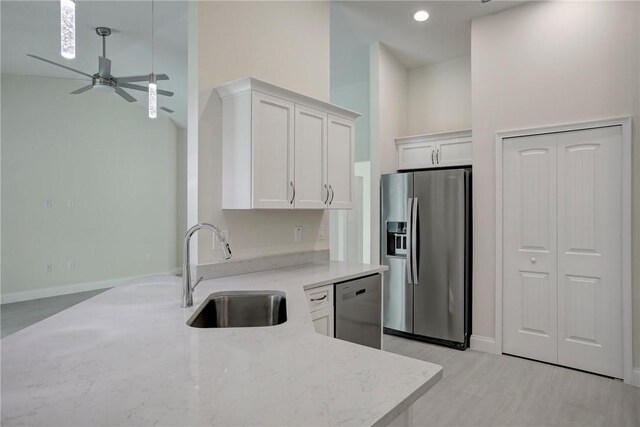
(127, 357)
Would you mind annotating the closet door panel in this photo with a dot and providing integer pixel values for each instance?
(590, 244)
(529, 248)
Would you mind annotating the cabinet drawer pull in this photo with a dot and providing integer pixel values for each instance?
(326, 198)
(293, 187)
(332, 194)
(432, 152)
(319, 299)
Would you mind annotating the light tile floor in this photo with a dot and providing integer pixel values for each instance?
(19, 315)
(481, 389)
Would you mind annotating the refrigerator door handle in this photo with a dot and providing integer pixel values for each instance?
(414, 241)
(409, 239)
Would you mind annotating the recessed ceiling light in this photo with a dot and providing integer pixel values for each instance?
(421, 15)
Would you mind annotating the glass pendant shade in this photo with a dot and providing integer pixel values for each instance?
(68, 28)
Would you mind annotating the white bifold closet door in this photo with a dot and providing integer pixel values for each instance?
(562, 242)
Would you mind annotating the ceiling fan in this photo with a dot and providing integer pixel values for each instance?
(104, 79)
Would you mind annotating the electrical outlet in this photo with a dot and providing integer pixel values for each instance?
(148, 257)
(48, 203)
(71, 265)
(71, 203)
(297, 233)
(321, 233)
(48, 268)
(216, 241)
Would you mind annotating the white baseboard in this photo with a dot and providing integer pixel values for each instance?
(72, 289)
(484, 344)
(636, 378)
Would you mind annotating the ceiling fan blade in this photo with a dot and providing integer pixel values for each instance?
(144, 78)
(104, 67)
(134, 87)
(165, 92)
(60, 65)
(144, 89)
(168, 110)
(82, 89)
(125, 95)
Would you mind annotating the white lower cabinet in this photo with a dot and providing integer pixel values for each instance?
(320, 302)
(323, 321)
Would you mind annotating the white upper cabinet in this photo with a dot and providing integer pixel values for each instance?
(310, 155)
(434, 150)
(340, 162)
(283, 150)
(273, 136)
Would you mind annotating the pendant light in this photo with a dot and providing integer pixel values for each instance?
(68, 28)
(153, 85)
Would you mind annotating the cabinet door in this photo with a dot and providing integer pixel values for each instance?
(323, 321)
(272, 136)
(455, 152)
(310, 158)
(340, 148)
(416, 155)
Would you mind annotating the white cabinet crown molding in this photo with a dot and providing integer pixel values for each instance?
(246, 84)
(438, 136)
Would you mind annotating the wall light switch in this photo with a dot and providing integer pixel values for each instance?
(48, 203)
(216, 241)
(48, 268)
(70, 203)
(297, 233)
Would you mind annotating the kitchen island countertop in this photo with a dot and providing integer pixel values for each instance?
(127, 357)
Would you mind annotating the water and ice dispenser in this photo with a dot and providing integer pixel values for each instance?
(396, 238)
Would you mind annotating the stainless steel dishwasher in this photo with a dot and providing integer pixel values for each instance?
(359, 311)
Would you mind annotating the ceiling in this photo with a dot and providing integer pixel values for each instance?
(445, 35)
(34, 27)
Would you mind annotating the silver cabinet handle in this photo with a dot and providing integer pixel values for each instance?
(414, 242)
(438, 156)
(326, 199)
(332, 194)
(432, 153)
(409, 229)
(293, 196)
(319, 299)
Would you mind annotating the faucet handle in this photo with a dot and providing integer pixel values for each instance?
(196, 284)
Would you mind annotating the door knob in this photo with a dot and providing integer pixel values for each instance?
(533, 260)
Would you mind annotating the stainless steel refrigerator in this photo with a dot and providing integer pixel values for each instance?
(426, 240)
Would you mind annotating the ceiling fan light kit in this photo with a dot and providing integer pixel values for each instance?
(68, 29)
(104, 80)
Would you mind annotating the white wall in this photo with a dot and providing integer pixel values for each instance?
(181, 192)
(440, 97)
(393, 97)
(109, 172)
(284, 43)
(546, 63)
(389, 119)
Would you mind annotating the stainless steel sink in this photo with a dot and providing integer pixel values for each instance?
(241, 309)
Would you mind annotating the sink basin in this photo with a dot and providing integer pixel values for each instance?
(241, 309)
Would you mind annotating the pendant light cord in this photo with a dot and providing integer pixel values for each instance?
(152, 36)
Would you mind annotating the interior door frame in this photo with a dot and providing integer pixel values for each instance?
(627, 303)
